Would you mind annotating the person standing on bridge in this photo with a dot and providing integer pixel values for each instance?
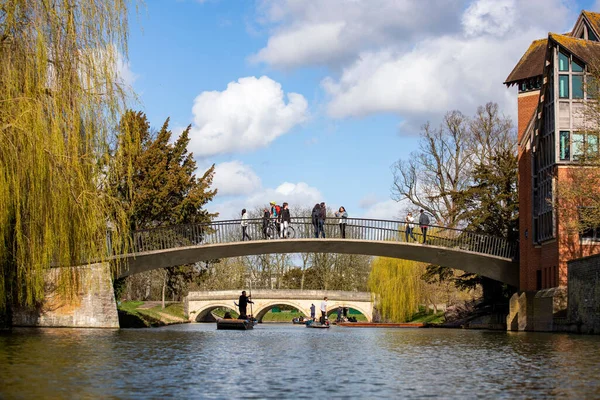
(244, 224)
(243, 304)
(409, 223)
(322, 217)
(323, 309)
(343, 216)
(424, 224)
(265, 222)
(285, 221)
(316, 212)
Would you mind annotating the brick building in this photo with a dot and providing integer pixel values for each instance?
(552, 92)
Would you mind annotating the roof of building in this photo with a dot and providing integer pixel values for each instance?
(586, 50)
(531, 64)
(593, 19)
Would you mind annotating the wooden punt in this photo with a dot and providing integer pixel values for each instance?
(234, 324)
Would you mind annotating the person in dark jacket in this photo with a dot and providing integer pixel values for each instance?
(424, 224)
(265, 222)
(316, 212)
(243, 302)
(284, 221)
(322, 216)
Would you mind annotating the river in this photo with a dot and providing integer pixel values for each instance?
(287, 361)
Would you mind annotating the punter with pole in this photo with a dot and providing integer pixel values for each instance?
(243, 304)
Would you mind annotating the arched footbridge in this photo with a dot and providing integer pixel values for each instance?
(199, 305)
(486, 255)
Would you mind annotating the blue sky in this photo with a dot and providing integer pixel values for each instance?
(305, 102)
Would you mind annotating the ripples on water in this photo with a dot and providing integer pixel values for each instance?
(286, 361)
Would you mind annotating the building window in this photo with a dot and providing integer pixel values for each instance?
(588, 218)
(563, 62)
(565, 146)
(584, 145)
(576, 67)
(591, 35)
(577, 85)
(563, 86)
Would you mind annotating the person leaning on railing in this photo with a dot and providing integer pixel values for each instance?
(408, 226)
(343, 216)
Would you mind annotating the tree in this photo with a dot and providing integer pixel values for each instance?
(60, 94)
(437, 169)
(446, 158)
(465, 175)
(156, 183)
(398, 287)
(491, 206)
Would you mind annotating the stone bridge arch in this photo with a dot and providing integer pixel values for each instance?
(202, 315)
(267, 306)
(368, 315)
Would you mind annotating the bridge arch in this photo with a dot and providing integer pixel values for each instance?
(266, 307)
(333, 310)
(494, 267)
(203, 313)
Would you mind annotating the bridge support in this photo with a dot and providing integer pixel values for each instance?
(537, 310)
(92, 306)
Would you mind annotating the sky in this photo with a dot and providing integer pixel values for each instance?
(308, 101)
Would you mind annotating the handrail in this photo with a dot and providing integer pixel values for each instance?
(229, 231)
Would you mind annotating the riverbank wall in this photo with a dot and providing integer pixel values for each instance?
(574, 308)
(92, 305)
(584, 294)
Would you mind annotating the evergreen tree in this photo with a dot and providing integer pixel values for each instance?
(155, 181)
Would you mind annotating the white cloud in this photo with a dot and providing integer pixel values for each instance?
(438, 75)
(330, 31)
(489, 16)
(235, 178)
(412, 58)
(453, 71)
(249, 114)
(387, 210)
(124, 71)
(295, 194)
(368, 200)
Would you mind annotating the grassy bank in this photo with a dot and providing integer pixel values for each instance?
(428, 318)
(140, 314)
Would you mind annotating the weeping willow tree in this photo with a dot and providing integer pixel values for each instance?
(60, 94)
(398, 287)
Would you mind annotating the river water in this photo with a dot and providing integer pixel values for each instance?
(290, 361)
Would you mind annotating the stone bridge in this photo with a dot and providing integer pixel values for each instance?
(198, 305)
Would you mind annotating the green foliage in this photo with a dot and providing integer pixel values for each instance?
(155, 181)
(428, 317)
(155, 178)
(397, 285)
(59, 95)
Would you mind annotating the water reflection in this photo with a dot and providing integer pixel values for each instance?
(283, 361)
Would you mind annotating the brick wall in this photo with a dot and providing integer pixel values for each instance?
(528, 253)
(584, 293)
